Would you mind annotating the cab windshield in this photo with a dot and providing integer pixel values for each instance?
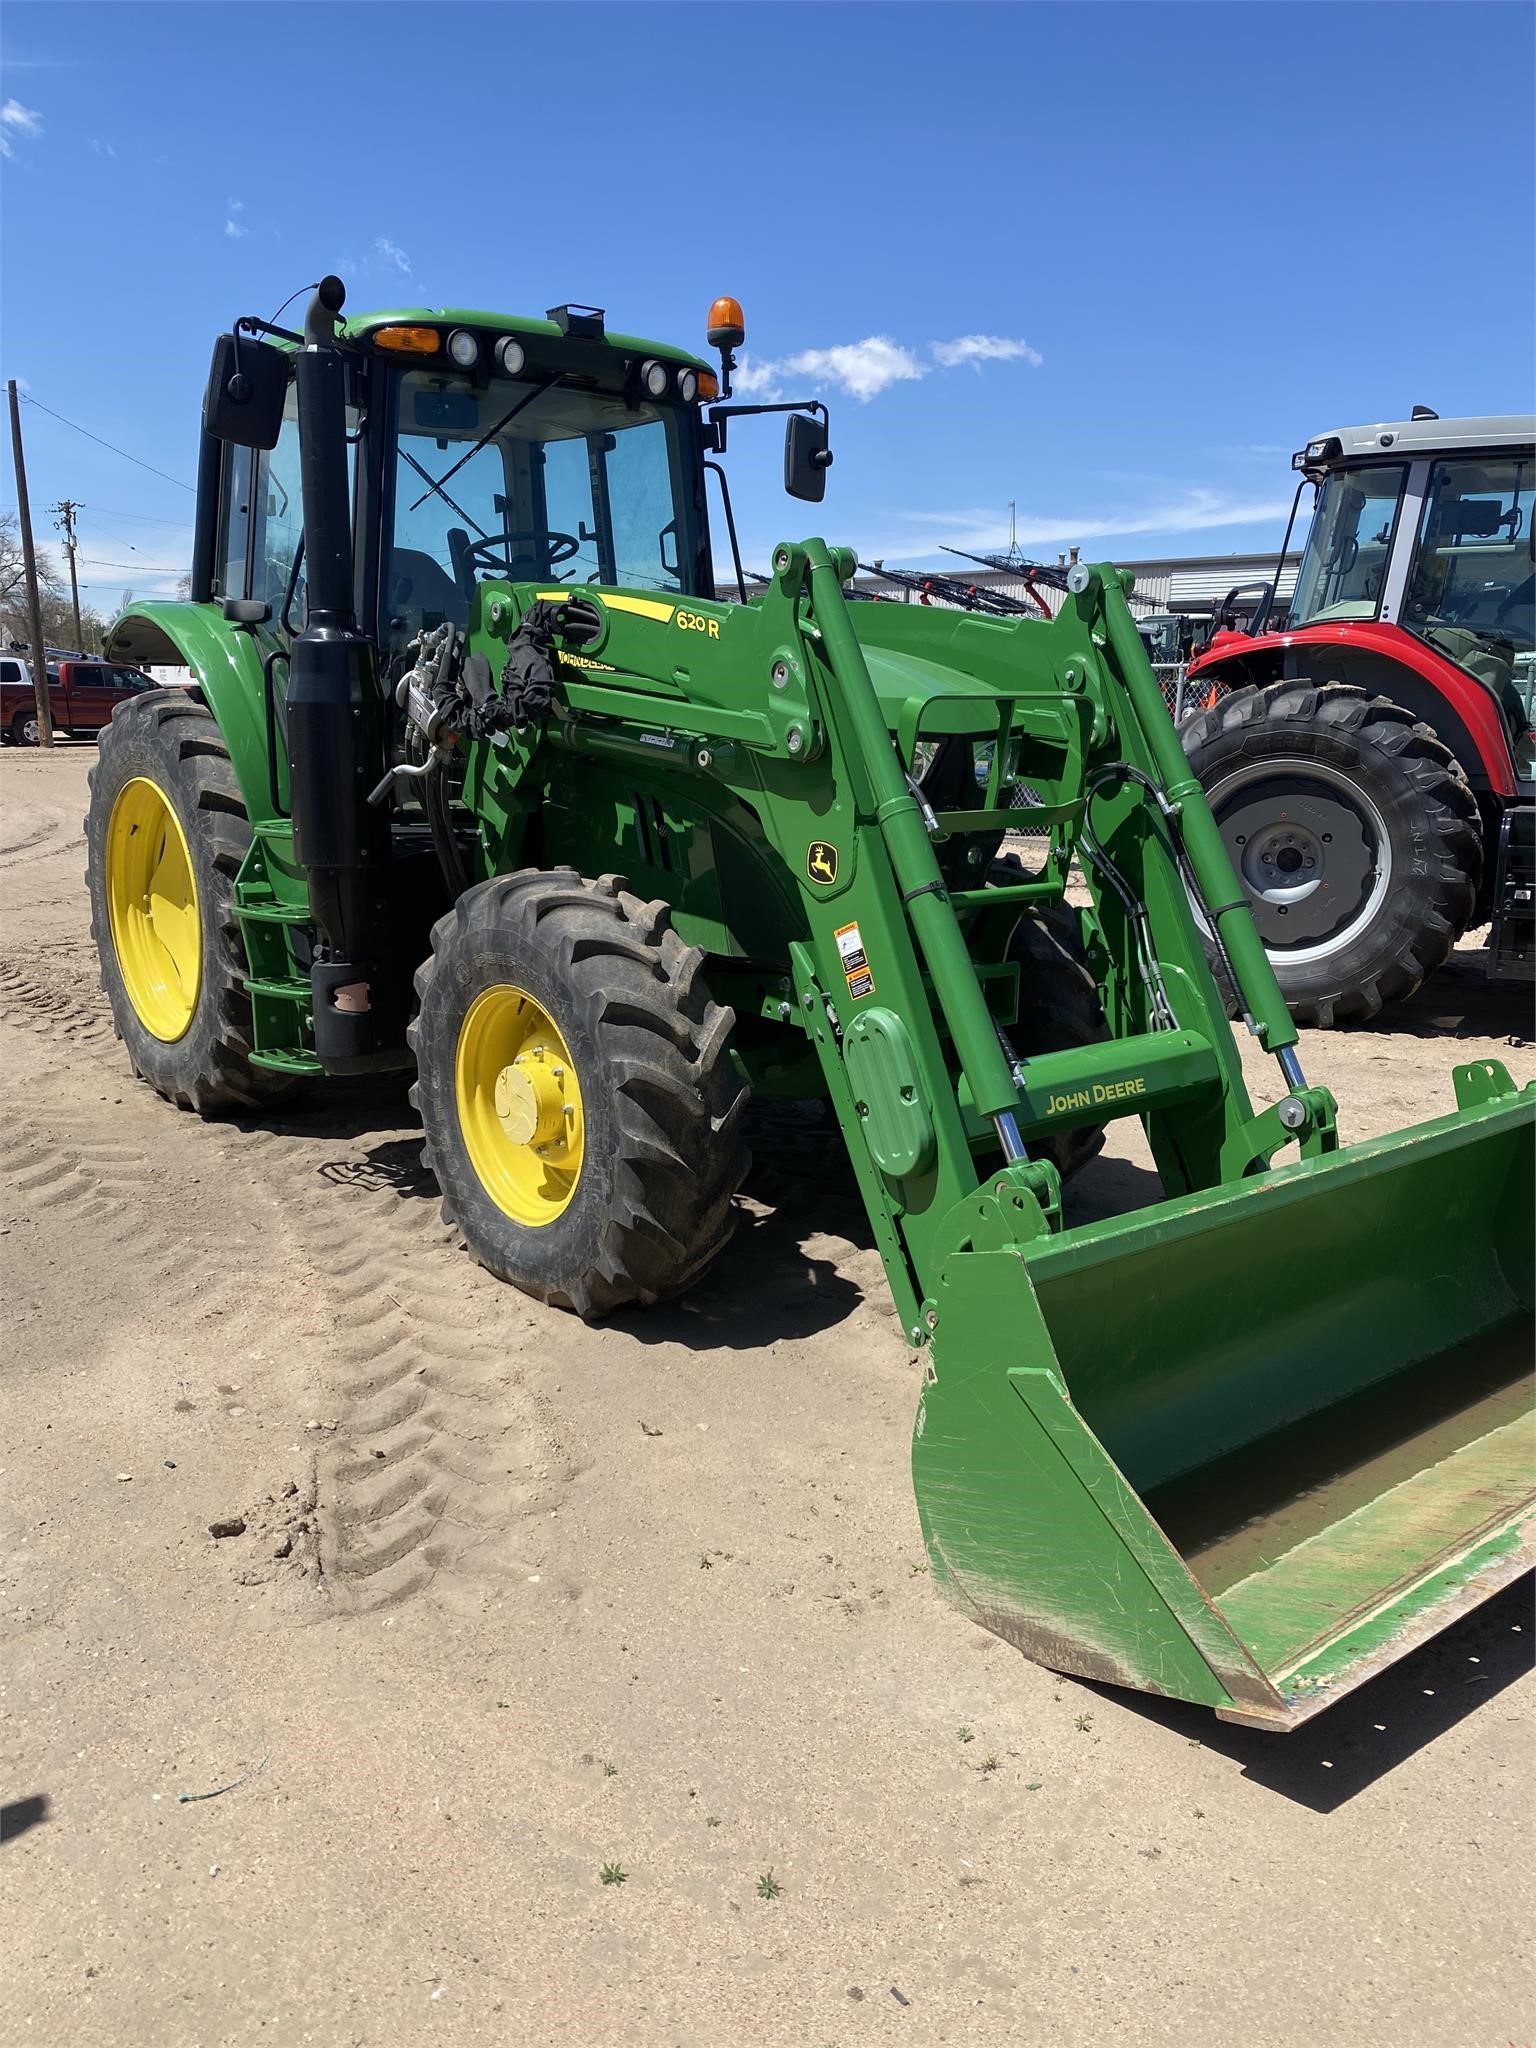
(1344, 567)
(525, 483)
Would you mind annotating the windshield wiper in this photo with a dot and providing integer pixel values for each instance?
(505, 421)
(426, 477)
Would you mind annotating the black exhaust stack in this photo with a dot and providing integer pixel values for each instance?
(337, 729)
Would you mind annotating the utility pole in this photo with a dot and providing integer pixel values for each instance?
(66, 512)
(29, 558)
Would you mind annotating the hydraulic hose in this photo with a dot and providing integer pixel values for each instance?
(1231, 919)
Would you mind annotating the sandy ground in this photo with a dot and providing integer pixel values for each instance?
(518, 1599)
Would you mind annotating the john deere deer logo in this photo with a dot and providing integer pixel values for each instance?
(821, 861)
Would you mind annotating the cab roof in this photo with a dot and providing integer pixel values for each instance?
(360, 325)
(1425, 437)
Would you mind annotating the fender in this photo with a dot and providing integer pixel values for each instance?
(1389, 662)
(226, 662)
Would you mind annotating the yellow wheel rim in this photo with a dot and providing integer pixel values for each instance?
(153, 909)
(519, 1105)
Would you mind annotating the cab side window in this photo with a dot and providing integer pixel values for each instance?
(277, 519)
(234, 524)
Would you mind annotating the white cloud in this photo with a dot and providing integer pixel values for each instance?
(755, 380)
(101, 148)
(863, 369)
(977, 349)
(234, 231)
(391, 252)
(24, 123)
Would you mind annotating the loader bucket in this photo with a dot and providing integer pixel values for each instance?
(1249, 1446)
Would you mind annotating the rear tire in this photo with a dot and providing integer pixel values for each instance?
(631, 1198)
(166, 741)
(24, 729)
(1355, 835)
(1059, 1007)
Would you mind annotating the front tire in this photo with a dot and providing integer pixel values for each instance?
(165, 835)
(1355, 836)
(580, 1108)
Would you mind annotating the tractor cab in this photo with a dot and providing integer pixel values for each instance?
(1400, 690)
(1426, 525)
(476, 447)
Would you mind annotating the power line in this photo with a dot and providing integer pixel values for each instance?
(141, 518)
(139, 568)
(110, 445)
(131, 545)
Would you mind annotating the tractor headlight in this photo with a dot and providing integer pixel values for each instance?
(511, 355)
(687, 386)
(463, 348)
(655, 379)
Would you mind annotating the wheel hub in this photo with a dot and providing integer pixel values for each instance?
(1310, 849)
(519, 1104)
(531, 1102)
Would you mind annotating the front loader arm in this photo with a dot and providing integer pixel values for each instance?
(776, 707)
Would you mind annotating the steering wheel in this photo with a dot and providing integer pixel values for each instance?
(496, 553)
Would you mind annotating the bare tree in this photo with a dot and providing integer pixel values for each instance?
(13, 595)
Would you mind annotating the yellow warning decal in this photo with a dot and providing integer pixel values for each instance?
(850, 947)
(642, 607)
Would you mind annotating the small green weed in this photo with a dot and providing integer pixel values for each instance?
(966, 1734)
(1083, 1723)
(613, 1873)
(768, 1886)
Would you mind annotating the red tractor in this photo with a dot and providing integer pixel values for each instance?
(1371, 765)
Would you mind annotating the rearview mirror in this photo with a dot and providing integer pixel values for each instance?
(807, 458)
(447, 412)
(247, 385)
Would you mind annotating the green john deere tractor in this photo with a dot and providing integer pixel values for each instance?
(481, 775)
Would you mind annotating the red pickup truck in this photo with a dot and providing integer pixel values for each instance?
(81, 695)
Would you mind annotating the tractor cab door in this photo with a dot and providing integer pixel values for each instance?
(1471, 584)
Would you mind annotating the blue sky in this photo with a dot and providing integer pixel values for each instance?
(1111, 263)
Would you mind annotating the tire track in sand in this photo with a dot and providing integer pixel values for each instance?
(64, 1007)
(439, 1464)
(60, 1171)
